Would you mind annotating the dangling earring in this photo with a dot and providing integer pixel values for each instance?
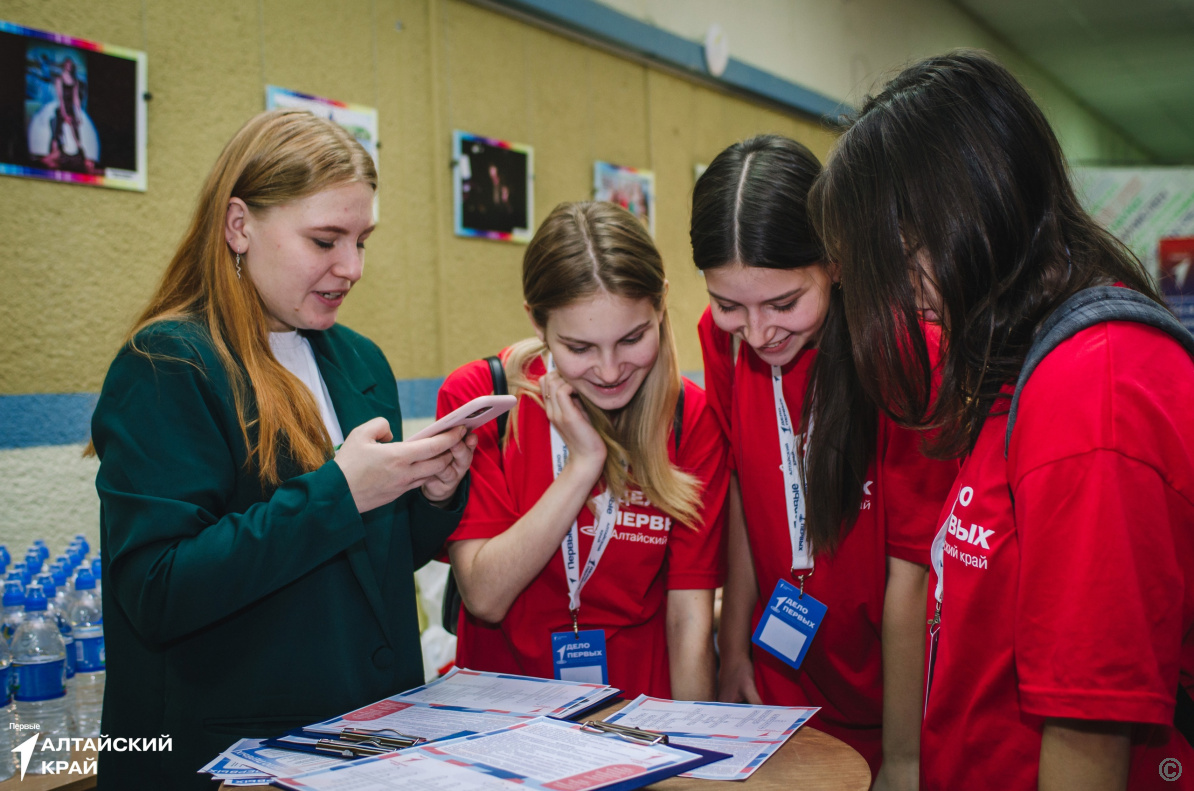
(238, 266)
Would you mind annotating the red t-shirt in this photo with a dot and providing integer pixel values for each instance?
(843, 670)
(649, 555)
(1069, 575)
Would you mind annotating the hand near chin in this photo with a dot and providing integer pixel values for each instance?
(562, 405)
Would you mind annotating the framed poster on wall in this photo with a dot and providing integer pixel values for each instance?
(632, 189)
(360, 121)
(493, 186)
(71, 110)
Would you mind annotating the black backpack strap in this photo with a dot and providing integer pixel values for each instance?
(1085, 309)
(678, 420)
(497, 371)
(453, 601)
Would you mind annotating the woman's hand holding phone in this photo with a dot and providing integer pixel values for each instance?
(379, 471)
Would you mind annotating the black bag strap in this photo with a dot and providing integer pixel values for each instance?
(497, 371)
(452, 598)
(1085, 309)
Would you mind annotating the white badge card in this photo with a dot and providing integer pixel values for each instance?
(580, 656)
(789, 624)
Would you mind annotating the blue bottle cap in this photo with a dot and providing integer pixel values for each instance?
(33, 561)
(4, 556)
(85, 581)
(82, 541)
(40, 547)
(35, 599)
(14, 593)
(17, 574)
(96, 567)
(59, 575)
(47, 585)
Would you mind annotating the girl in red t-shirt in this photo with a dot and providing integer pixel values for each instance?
(638, 492)
(871, 498)
(1063, 592)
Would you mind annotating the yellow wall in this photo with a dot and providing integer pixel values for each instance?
(80, 261)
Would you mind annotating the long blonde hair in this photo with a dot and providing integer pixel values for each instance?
(582, 249)
(277, 157)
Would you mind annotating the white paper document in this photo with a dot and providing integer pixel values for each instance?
(749, 734)
(543, 753)
(472, 689)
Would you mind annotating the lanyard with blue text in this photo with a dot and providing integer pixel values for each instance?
(794, 495)
(607, 516)
(791, 619)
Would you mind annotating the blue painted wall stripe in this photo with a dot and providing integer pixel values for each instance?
(604, 23)
(28, 421)
(45, 419)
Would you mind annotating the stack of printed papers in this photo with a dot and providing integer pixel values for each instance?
(469, 701)
(543, 753)
(250, 763)
(461, 703)
(748, 734)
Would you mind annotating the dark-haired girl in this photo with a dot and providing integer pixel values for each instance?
(1064, 566)
(638, 494)
(776, 356)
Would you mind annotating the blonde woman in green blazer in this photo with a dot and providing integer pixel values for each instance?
(256, 576)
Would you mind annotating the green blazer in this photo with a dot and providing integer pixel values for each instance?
(233, 611)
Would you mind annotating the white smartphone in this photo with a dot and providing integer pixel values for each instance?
(475, 413)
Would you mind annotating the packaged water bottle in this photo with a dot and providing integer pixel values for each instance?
(8, 765)
(55, 609)
(14, 608)
(87, 619)
(39, 658)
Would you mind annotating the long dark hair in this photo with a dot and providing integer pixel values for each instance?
(750, 208)
(953, 162)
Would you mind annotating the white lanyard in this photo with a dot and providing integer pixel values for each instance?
(802, 550)
(937, 556)
(607, 516)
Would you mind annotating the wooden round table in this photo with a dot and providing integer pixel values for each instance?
(809, 761)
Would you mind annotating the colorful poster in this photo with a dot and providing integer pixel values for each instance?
(359, 120)
(493, 187)
(633, 190)
(71, 110)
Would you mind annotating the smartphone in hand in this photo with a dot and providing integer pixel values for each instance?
(475, 413)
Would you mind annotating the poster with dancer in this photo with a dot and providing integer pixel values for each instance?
(493, 186)
(632, 189)
(71, 110)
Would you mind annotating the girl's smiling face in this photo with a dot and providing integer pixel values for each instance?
(777, 312)
(604, 346)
